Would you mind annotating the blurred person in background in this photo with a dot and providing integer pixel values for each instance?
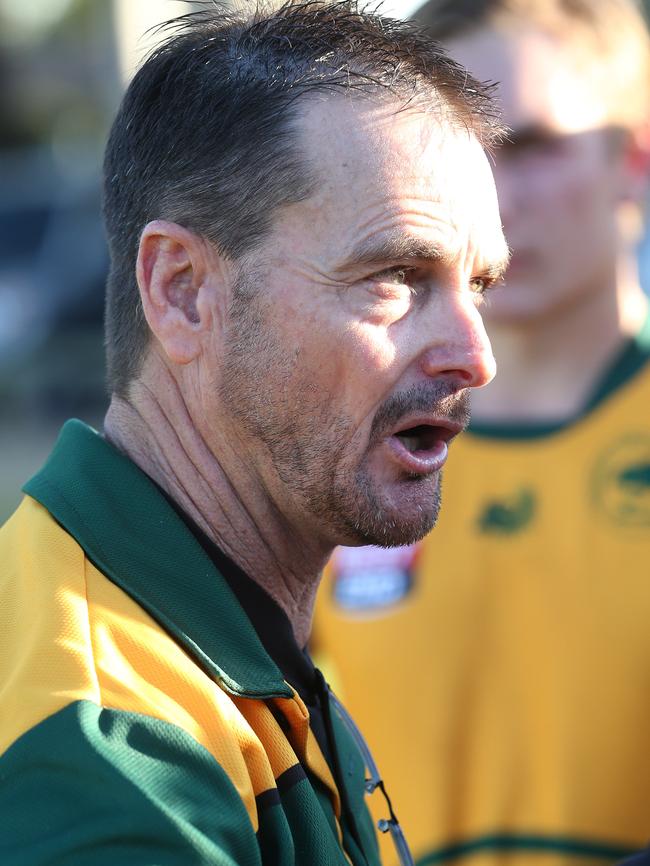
(518, 631)
(302, 222)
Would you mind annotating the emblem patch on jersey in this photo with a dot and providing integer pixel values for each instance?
(371, 579)
(620, 481)
(507, 516)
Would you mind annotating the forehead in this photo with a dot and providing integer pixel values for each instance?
(541, 79)
(382, 169)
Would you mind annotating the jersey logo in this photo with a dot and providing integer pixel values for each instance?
(510, 515)
(620, 482)
(371, 579)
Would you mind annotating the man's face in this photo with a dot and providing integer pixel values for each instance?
(354, 334)
(559, 181)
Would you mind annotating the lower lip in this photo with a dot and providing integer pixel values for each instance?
(418, 462)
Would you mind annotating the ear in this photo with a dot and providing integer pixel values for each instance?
(172, 269)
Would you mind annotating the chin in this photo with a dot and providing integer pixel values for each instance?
(403, 517)
(398, 534)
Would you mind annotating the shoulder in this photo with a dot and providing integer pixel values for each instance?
(93, 785)
(107, 724)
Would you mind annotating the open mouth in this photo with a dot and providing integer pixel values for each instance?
(421, 449)
(422, 438)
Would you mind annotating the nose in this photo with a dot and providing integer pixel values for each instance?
(460, 347)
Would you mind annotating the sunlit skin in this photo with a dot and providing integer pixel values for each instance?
(273, 388)
(571, 294)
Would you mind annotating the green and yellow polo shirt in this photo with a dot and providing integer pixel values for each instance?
(141, 719)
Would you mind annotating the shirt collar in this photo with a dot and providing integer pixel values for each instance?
(271, 623)
(133, 535)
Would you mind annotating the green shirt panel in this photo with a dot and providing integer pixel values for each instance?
(93, 787)
(96, 787)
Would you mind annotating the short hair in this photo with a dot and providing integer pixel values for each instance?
(206, 133)
(610, 36)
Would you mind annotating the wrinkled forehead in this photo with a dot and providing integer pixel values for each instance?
(373, 155)
(377, 139)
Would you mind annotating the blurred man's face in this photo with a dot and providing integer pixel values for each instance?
(355, 334)
(559, 182)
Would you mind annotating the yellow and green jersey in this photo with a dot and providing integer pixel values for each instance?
(513, 643)
(142, 722)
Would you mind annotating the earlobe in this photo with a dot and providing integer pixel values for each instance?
(171, 269)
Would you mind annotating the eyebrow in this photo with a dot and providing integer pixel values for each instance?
(405, 248)
(497, 268)
(396, 248)
(530, 134)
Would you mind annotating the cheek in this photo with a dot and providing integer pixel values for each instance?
(363, 368)
(569, 215)
(337, 360)
(571, 187)
(583, 222)
(585, 196)
(372, 349)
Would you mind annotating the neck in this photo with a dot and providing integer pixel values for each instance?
(549, 367)
(155, 429)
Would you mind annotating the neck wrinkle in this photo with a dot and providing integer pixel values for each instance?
(228, 504)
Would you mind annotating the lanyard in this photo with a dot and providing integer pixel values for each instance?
(385, 825)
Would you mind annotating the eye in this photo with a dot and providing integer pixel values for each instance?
(480, 285)
(400, 276)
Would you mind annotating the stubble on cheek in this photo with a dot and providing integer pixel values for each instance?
(288, 424)
(276, 401)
